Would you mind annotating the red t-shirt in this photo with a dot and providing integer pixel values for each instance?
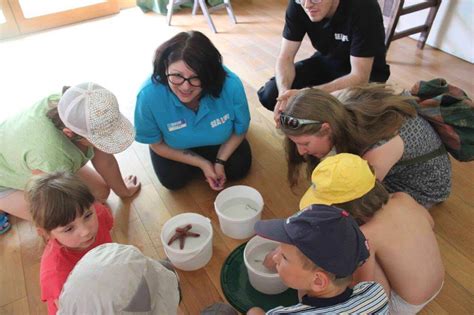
(58, 261)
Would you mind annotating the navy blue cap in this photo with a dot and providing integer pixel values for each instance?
(327, 235)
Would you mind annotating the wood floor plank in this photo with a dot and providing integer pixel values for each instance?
(12, 275)
(433, 308)
(32, 244)
(19, 307)
(457, 265)
(129, 228)
(454, 298)
(152, 211)
(35, 305)
(454, 226)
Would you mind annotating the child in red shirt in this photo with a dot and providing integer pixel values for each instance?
(66, 215)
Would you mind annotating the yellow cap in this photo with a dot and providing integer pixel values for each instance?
(337, 179)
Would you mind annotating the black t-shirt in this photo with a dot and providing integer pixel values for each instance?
(356, 29)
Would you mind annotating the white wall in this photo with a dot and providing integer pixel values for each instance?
(452, 30)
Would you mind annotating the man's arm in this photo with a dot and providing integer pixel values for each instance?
(361, 68)
(284, 74)
(285, 68)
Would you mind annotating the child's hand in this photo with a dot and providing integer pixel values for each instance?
(132, 184)
(268, 262)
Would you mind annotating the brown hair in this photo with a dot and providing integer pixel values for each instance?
(53, 115)
(56, 199)
(308, 264)
(359, 117)
(364, 208)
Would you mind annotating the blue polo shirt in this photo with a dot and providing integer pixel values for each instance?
(160, 116)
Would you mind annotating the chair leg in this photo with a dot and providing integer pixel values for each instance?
(195, 6)
(202, 4)
(429, 22)
(170, 11)
(397, 7)
(230, 12)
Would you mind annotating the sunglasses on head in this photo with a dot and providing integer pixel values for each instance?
(295, 123)
(302, 2)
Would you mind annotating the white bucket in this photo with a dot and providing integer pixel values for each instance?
(238, 208)
(197, 251)
(262, 279)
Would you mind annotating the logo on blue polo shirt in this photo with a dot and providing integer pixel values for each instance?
(176, 125)
(220, 121)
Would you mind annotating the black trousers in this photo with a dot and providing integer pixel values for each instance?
(174, 175)
(316, 70)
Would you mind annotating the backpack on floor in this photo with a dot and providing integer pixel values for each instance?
(450, 112)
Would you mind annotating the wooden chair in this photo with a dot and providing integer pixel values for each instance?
(205, 10)
(393, 9)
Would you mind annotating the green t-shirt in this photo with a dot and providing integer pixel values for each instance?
(30, 141)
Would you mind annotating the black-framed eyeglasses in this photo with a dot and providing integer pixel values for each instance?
(295, 123)
(178, 79)
(312, 1)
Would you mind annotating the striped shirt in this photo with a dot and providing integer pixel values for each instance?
(364, 298)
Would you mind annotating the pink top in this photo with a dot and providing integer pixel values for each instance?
(58, 261)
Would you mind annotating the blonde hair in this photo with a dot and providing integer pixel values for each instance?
(56, 199)
(359, 117)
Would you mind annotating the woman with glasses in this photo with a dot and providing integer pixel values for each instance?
(374, 123)
(194, 115)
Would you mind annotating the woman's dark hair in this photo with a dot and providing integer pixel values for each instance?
(198, 52)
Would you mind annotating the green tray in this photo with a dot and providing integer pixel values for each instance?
(240, 293)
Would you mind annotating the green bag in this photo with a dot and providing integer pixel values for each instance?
(451, 113)
(160, 6)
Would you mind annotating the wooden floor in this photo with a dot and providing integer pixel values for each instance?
(116, 52)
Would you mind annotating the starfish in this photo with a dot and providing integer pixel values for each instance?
(181, 233)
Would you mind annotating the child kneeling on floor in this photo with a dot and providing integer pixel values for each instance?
(404, 253)
(64, 211)
(320, 249)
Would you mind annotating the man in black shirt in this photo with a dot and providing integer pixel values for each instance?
(349, 38)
